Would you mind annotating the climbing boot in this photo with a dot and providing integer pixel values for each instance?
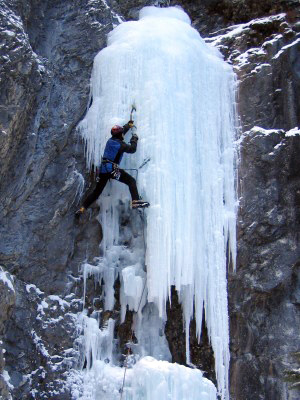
(79, 212)
(139, 204)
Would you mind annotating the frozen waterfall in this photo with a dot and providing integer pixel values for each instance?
(185, 98)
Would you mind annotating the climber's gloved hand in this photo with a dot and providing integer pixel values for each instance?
(130, 123)
(134, 137)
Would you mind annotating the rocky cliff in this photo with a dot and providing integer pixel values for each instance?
(47, 50)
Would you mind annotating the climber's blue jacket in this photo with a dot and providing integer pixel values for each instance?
(114, 150)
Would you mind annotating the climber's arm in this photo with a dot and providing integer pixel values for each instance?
(131, 148)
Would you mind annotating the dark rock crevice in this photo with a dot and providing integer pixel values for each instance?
(201, 352)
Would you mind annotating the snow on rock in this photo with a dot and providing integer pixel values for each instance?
(251, 44)
(5, 385)
(263, 132)
(47, 330)
(7, 279)
(293, 132)
(185, 98)
(62, 303)
(284, 48)
(42, 306)
(268, 139)
(30, 286)
(7, 303)
(235, 31)
(264, 54)
(39, 344)
(6, 377)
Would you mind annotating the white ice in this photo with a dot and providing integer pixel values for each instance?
(185, 98)
(148, 379)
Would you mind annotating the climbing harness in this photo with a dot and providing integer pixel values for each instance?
(116, 168)
(106, 161)
(115, 173)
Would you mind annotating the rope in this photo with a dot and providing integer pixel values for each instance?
(142, 214)
(137, 170)
(116, 166)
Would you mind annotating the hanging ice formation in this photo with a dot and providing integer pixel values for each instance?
(185, 94)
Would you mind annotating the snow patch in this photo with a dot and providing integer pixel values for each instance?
(7, 279)
(260, 67)
(39, 344)
(41, 306)
(9, 33)
(284, 48)
(293, 132)
(32, 286)
(237, 30)
(6, 378)
(62, 303)
(264, 132)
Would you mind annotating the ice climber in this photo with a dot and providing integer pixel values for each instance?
(109, 168)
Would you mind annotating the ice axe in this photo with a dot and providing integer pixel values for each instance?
(133, 108)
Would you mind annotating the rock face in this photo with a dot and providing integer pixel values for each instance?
(264, 310)
(212, 16)
(46, 61)
(46, 56)
(45, 86)
(265, 54)
(39, 341)
(264, 301)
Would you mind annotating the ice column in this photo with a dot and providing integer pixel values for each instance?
(185, 98)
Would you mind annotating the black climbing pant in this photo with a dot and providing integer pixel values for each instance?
(103, 179)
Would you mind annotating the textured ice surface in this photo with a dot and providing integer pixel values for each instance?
(185, 98)
(148, 379)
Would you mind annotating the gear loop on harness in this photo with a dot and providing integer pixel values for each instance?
(116, 168)
(115, 173)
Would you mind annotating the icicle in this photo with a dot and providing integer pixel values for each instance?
(98, 343)
(185, 98)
